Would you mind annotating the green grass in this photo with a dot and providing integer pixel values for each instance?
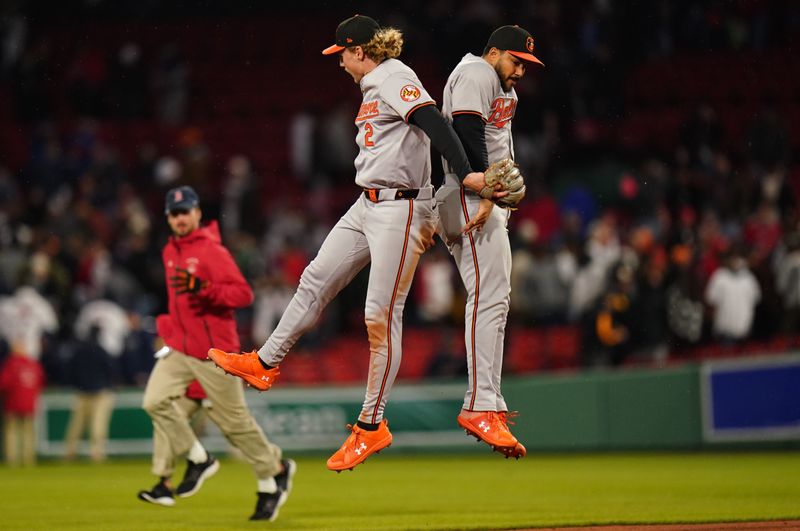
(421, 492)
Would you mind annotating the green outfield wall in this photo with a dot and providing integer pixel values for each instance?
(665, 409)
(636, 410)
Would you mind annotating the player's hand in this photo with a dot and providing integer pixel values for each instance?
(476, 182)
(186, 282)
(477, 221)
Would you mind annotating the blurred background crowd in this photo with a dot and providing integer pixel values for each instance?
(661, 221)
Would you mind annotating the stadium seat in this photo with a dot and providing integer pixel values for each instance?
(525, 350)
(563, 346)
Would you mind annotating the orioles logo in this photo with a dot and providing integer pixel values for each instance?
(502, 112)
(529, 44)
(367, 110)
(409, 93)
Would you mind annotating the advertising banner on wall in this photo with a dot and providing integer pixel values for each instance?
(753, 399)
(301, 419)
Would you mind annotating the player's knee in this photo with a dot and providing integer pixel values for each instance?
(376, 318)
(505, 304)
(155, 405)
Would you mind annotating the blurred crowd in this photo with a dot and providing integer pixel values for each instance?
(645, 251)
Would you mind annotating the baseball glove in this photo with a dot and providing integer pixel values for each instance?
(507, 174)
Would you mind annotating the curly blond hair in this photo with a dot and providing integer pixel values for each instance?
(386, 44)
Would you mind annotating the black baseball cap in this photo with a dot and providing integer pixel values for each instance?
(515, 41)
(354, 31)
(181, 198)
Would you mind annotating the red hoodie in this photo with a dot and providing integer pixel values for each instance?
(195, 391)
(21, 382)
(197, 322)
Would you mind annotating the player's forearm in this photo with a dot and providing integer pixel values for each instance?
(471, 131)
(443, 138)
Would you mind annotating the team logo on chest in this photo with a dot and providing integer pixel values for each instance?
(368, 109)
(191, 264)
(409, 93)
(502, 112)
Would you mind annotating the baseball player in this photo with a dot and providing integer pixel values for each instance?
(479, 100)
(390, 225)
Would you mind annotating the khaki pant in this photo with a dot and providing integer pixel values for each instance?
(172, 432)
(92, 410)
(19, 439)
(195, 411)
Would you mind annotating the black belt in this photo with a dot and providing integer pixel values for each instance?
(373, 194)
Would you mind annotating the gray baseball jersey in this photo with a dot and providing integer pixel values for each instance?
(385, 227)
(474, 88)
(483, 258)
(389, 150)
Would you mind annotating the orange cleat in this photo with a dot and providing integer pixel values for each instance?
(359, 445)
(492, 428)
(246, 366)
(519, 450)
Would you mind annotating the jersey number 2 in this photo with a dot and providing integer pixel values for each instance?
(368, 132)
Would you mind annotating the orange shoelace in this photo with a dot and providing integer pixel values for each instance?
(506, 416)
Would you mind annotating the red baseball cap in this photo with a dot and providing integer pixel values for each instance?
(354, 31)
(515, 41)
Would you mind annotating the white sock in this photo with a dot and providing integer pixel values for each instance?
(267, 485)
(197, 454)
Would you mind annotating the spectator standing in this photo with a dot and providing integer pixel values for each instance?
(733, 293)
(25, 318)
(111, 321)
(102, 328)
(91, 372)
(615, 318)
(21, 383)
(787, 282)
(651, 338)
(685, 311)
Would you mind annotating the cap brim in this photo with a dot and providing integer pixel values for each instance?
(188, 205)
(525, 57)
(332, 49)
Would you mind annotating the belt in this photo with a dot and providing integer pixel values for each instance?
(377, 195)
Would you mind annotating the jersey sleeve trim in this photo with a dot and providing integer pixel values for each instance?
(476, 113)
(410, 112)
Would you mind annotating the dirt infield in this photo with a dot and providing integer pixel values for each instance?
(782, 525)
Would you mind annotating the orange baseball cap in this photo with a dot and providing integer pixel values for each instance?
(515, 41)
(354, 31)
